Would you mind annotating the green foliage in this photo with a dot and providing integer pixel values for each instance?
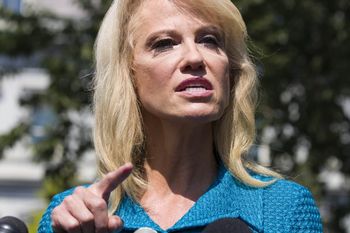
(8, 140)
(63, 47)
(305, 69)
(24, 35)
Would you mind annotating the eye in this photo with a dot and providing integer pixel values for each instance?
(163, 45)
(210, 41)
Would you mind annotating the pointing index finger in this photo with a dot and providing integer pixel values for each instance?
(107, 184)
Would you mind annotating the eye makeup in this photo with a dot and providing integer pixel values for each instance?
(165, 40)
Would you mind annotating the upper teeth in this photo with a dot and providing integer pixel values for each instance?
(194, 89)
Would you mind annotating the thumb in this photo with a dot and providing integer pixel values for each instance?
(115, 223)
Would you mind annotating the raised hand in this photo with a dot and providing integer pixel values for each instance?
(86, 210)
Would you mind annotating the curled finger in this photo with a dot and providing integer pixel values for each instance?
(63, 221)
(78, 209)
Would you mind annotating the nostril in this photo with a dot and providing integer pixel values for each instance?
(198, 65)
(194, 68)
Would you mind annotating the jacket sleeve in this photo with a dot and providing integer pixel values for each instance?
(305, 215)
(290, 207)
(45, 222)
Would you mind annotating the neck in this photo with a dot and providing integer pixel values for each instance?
(180, 159)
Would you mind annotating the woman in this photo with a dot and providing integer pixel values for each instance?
(174, 107)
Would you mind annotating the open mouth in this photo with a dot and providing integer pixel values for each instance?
(194, 85)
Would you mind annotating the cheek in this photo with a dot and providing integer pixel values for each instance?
(152, 73)
(225, 85)
(149, 81)
(224, 74)
(226, 90)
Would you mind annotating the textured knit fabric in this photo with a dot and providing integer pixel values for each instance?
(281, 207)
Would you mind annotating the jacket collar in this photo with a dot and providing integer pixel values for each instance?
(227, 197)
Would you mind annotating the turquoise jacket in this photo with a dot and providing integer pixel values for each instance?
(281, 207)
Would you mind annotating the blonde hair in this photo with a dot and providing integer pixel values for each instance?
(118, 131)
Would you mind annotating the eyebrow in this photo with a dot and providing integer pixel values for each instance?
(210, 29)
(213, 30)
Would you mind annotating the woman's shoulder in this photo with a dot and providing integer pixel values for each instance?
(284, 192)
(281, 187)
(289, 204)
(276, 189)
(287, 189)
(282, 206)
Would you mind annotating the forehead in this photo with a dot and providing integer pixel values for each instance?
(163, 15)
(158, 13)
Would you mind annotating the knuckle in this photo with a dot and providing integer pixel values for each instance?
(68, 200)
(110, 179)
(71, 203)
(79, 190)
(100, 204)
(56, 212)
(87, 219)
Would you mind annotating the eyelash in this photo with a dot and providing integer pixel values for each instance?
(210, 41)
(162, 45)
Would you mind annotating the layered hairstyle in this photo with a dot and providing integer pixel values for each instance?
(118, 131)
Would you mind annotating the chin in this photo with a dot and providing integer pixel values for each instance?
(203, 117)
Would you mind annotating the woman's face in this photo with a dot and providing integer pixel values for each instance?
(180, 67)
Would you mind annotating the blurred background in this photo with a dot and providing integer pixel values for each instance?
(302, 52)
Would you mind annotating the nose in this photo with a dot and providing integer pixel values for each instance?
(192, 58)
